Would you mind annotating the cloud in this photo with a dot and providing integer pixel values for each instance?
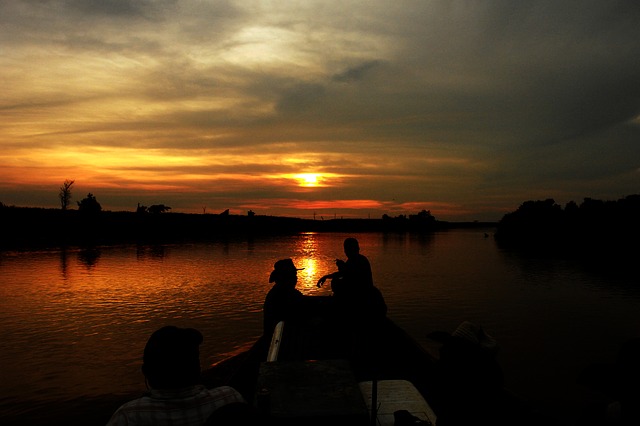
(299, 98)
(442, 103)
(111, 8)
(356, 73)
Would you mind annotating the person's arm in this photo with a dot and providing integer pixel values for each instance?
(322, 280)
(341, 268)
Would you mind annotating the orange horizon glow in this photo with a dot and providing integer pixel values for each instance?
(193, 104)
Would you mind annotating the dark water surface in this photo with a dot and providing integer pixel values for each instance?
(73, 323)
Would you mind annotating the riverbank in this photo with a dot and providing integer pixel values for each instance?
(36, 227)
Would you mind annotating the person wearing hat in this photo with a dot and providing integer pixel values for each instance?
(171, 367)
(283, 302)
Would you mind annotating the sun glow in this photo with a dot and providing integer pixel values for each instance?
(308, 179)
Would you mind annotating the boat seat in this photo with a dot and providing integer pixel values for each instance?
(311, 393)
(396, 395)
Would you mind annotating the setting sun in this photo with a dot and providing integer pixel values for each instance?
(312, 180)
(308, 179)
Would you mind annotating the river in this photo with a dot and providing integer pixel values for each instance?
(74, 322)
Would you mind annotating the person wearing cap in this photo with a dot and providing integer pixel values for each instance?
(283, 302)
(171, 367)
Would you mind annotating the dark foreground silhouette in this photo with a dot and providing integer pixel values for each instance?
(171, 367)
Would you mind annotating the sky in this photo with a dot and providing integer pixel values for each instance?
(350, 108)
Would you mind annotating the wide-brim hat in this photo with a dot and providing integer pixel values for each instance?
(281, 267)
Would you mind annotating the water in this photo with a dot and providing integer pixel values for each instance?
(73, 323)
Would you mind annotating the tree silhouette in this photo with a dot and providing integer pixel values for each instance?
(158, 208)
(65, 193)
(595, 226)
(141, 209)
(89, 204)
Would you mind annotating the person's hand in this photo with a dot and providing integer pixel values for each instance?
(321, 281)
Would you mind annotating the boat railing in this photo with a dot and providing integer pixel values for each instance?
(276, 341)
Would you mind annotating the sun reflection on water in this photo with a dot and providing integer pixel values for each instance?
(309, 256)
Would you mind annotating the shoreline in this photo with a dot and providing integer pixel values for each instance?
(33, 228)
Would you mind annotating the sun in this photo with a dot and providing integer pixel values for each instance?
(308, 180)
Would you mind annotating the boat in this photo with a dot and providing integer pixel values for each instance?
(320, 373)
(393, 381)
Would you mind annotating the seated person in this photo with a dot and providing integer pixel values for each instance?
(310, 326)
(616, 396)
(283, 302)
(470, 378)
(352, 285)
(352, 276)
(171, 366)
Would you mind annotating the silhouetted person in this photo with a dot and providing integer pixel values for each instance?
(283, 302)
(171, 366)
(359, 306)
(309, 321)
(352, 276)
(618, 382)
(470, 379)
(352, 284)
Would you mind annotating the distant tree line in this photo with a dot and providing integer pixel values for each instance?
(592, 224)
(423, 221)
(541, 224)
(153, 209)
(90, 205)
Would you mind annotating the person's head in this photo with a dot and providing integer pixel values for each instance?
(351, 247)
(172, 358)
(284, 272)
